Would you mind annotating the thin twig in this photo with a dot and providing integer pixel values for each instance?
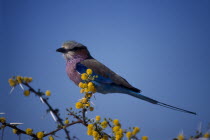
(18, 129)
(83, 115)
(78, 118)
(50, 133)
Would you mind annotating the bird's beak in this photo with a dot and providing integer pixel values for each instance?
(62, 50)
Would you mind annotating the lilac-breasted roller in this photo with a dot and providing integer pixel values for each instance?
(78, 60)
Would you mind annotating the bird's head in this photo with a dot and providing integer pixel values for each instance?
(73, 49)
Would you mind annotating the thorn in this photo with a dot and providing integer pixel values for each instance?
(15, 123)
(41, 100)
(53, 116)
(94, 96)
(12, 90)
(181, 132)
(21, 86)
(92, 103)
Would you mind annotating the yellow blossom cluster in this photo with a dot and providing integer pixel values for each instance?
(15, 131)
(104, 124)
(92, 131)
(29, 131)
(136, 130)
(117, 130)
(88, 88)
(48, 93)
(40, 135)
(96, 130)
(26, 92)
(180, 137)
(2, 119)
(206, 135)
(50, 138)
(66, 121)
(18, 80)
(84, 103)
(144, 138)
(98, 118)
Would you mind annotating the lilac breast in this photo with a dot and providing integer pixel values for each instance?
(71, 70)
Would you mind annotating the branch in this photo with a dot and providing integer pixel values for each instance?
(18, 129)
(83, 116)
(50, 133)
(50, 108)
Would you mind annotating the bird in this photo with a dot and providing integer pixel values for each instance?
(78, 60)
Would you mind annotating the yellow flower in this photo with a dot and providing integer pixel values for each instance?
(116, 128)
(3, 126)
(116, 122)
(25, 79)
(26, 93)
(86, 90)
(82, 90)
(95, 134)
(128, 135)
(120, 131)
(30, 79)
(40, 135)
(98, 118)
(118, 137)
(2, 120)
(105, 137)
(104, 124)
(29, 131)
(50, 138)
(12, 83)
(90, 126)
(206, 135)
(14, 131)
(84, 100)
(84, 76)
(89, 132)
(119, 134)
(91, 89)
(180, 137)
(89, 71)
(79, 105)
(91, 108)
(19, 79)
(135, 130)
(47, 93)
(89, 95)
(87, 104)
(85, 85)
(66, 121)
(144, 138)
(90, 84)
(80, 85)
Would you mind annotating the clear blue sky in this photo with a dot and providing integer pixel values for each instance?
(159, 46)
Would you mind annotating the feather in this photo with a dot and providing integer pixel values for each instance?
(104, 73)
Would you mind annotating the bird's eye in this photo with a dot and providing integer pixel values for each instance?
(76, 48)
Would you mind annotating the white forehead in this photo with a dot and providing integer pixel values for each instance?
(71, 44)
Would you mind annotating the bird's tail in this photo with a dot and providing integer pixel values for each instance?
(140, 96)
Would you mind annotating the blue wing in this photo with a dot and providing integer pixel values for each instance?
(82, 69)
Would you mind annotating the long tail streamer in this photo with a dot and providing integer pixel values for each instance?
(140, 96)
